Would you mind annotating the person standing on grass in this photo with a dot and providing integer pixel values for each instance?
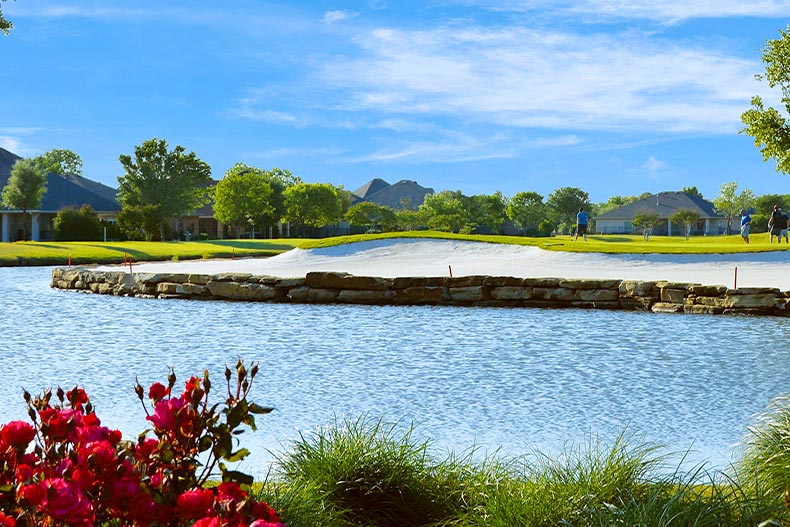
(746, 224)
(773, 225)
(581, 224)
(783, 221)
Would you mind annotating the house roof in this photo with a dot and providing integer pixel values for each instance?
(393, 196)
(664, 204)
(65, 191)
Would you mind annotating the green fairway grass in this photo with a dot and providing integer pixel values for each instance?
(58, 253)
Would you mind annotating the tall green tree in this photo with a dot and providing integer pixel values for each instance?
(371, 215)
(768, 126)
(686, 218)
(526, 209)
(445, 211)
(60, 161)
(5, 25)
(25, 187)
(564, 203)
(489, 210)
(313, 204)
(172, 181)
(243, 198)
(729, 203)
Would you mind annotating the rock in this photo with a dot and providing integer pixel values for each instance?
(667, 307)
(672, 295)
(586, 283)
(420, 295)
(638, 288)
(467, 294)
(510, 292)
(596, 295)
(555, 295)
(240, 291)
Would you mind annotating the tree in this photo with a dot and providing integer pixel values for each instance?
(729, 203)
(77, 225)
(25, 187)
(770, 130)
(646, 221)
(526, 209)
(139, 222)
(313, 204)
(173, 182)
(565, 202)
(489, 210)
(243, 197)
(692, 191)
(371, 215)
(61, 162)
(5, 25)
(445, 211)
(687, 218)
(615, 202)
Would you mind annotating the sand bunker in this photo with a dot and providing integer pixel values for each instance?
(421, 257)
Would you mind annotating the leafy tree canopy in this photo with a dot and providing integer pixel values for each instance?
(5, 25)
(371, 215)
(489, 210)
(445, 211)
(769, 128)
(313, 204)
(565, 202)
(646, 221)
(615, 202)
(25, 187)
(526, 209)
(171, 181)
(729, 203)
(686, 218)
(244, 197)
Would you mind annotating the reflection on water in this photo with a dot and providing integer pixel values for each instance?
(515, 379)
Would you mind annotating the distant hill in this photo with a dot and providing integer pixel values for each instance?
(394, 196)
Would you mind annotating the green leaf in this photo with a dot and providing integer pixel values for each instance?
(239, 477)
(238, 455)
(256, 409)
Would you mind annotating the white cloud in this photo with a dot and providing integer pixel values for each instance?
(653, 165)
(526, 78)
(330, 17)
(12, 144)
(664, 11)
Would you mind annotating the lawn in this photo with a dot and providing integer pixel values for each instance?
(58, 253)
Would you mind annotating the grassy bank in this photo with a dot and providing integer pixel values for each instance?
(58, 253)
(367, 473)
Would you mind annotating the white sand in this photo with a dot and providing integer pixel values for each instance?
(419, 257)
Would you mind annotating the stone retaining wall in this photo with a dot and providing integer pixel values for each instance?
(496, 291)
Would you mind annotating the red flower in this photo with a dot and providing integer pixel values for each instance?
(157, 392)
(77, 397)
(66, 503)
(207, 522)
(31, 494)
(18, 434)
(7, 521)
(166, 414)
(194, 504)
(264, 523)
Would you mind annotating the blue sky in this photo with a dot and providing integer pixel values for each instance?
(616, 98)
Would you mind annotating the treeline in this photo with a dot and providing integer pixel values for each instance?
(161, 185)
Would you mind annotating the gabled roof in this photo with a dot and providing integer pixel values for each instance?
(371, 187)
(395, 195)
(664, 204)
(66, 191)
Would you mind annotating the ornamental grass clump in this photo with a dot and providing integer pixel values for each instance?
(67, 469)
(368, 473)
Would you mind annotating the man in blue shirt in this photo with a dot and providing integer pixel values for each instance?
(581, 224)
(746, 223)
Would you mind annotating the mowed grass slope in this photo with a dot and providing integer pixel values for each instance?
(58, 253)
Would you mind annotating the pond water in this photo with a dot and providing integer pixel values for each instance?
(509, 379)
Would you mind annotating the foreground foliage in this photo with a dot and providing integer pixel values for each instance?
(67, 469)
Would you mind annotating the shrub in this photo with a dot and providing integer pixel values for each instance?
(83, 225)
(81, 473)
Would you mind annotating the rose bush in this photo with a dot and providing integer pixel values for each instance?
(66, 469)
